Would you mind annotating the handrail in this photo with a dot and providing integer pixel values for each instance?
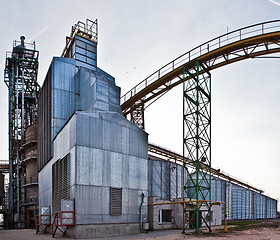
(88, 30)
(215, 43)
(53, 223)
(58, 218)
(58, 221)
(42, 220)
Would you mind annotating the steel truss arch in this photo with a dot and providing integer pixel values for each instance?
(248, 42)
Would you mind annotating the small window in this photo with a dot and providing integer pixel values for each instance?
(165, 216)
(116, 201)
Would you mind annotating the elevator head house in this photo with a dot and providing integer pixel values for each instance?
(88, 152)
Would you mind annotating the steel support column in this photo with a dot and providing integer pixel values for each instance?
(137, 115)
(197, 146)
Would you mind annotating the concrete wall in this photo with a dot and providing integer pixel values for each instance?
(216, 215)
(177, 214)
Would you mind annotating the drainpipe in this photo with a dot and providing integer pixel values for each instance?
(140, 212)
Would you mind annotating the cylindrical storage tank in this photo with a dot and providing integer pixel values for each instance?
(31, 153)
(31, 133)
(30, 181)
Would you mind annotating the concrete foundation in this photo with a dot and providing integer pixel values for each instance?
(104, 230)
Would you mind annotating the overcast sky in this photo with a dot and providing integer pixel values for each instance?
(138, 37)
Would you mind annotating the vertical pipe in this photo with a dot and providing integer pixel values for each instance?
(11, 157)
(22, 102)
(17, 138)
(140, 212)
(161, 190)
(18, 187)
(22, 122)
(176, 178)
(17, 111)
(169, 180)
(225, 227)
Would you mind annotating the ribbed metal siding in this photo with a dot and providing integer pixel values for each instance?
(242, 203)
(218, 192)
(60, 184)
(84, 51)
(63, 93)
(44, 122)
(259, 206)
(164, 179)
(271, 208)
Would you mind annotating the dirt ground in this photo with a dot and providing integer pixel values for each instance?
(252, 234)
(249, 234)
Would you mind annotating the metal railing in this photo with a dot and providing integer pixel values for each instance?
(88, 30)
(42, 222)
(63, 219)
(211, 45)
(30, 180)
(4, 167)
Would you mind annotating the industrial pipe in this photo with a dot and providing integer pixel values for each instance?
(140, 212)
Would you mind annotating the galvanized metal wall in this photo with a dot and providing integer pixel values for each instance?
(44, 122)
(67, 89)
(165, 179)
(242, 203)
(105, 149)
(97, 91)
(110, 152)
(85, 53)
(56, 105)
